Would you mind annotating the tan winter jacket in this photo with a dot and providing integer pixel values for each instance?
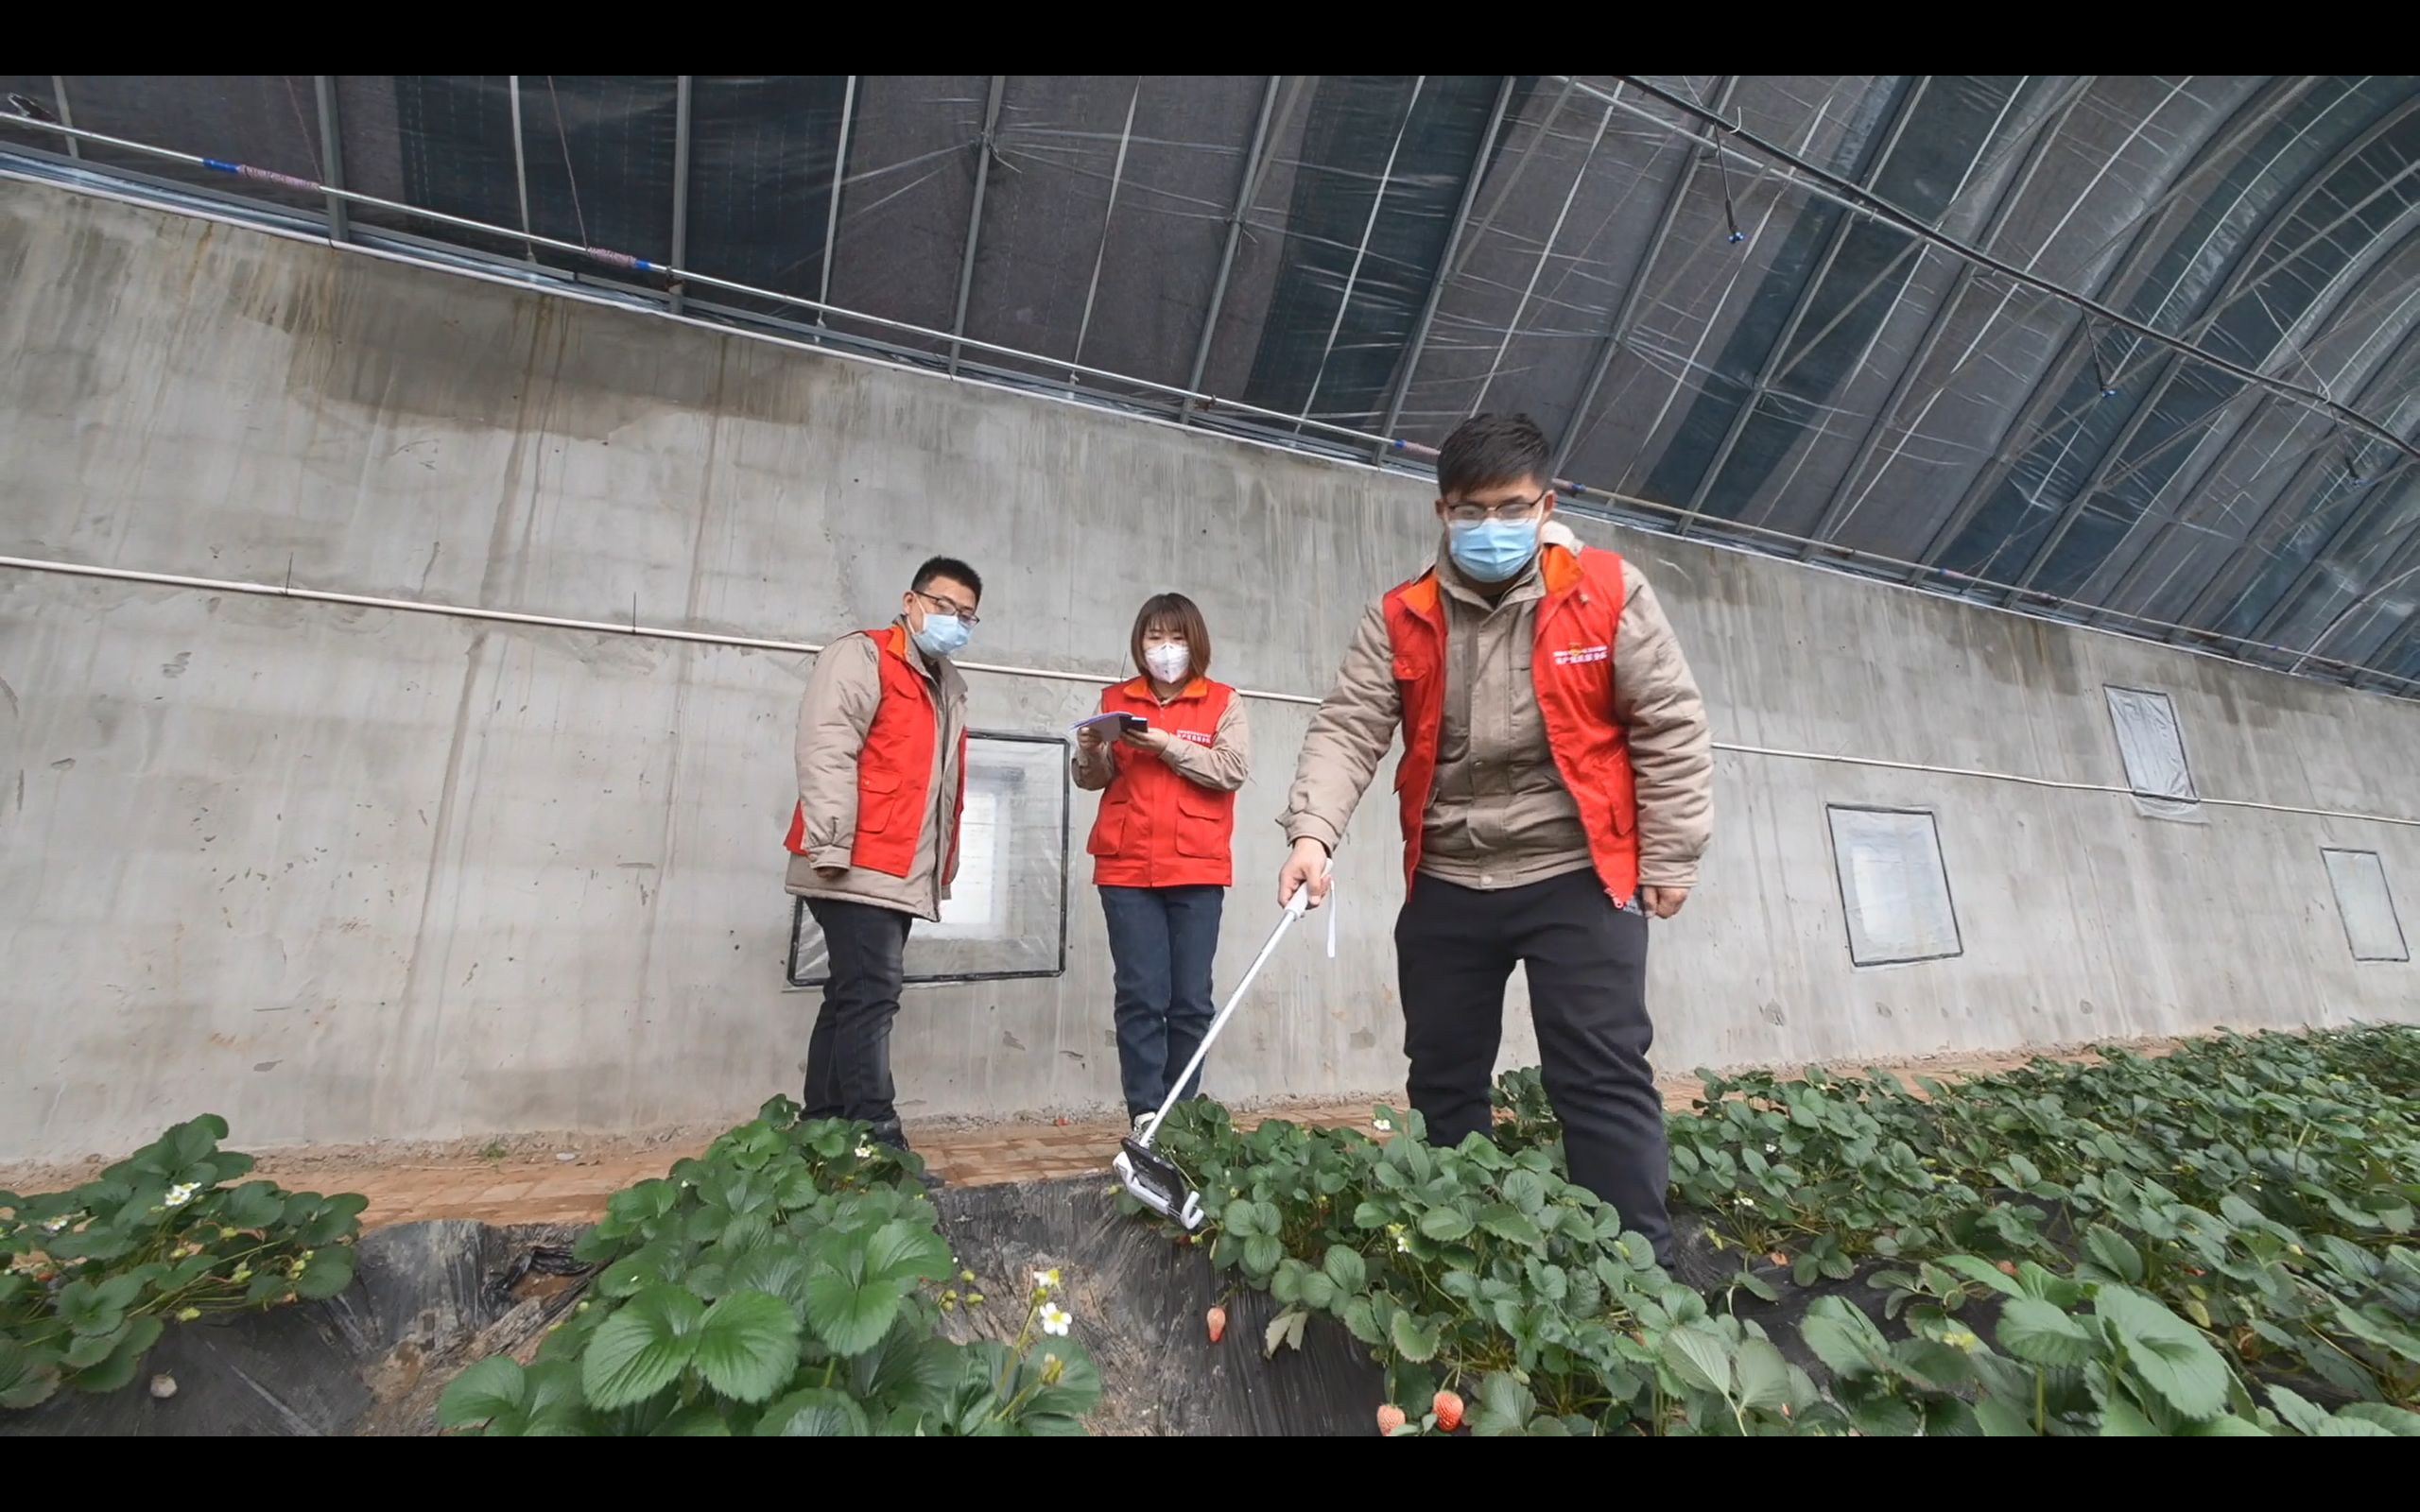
(1499, 814)
(842, 690)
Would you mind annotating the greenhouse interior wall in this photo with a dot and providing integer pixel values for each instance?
(346, 873)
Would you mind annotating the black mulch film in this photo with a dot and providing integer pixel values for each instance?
(428, 1300)
(432, 1298)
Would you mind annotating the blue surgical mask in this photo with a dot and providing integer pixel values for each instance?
(942, 635)
(1492, 551)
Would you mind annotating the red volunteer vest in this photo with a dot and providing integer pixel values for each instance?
(895, 771)
(1157, 828)
(1571, 665)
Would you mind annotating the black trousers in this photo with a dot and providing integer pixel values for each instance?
(1587, 959)
(848, 1056)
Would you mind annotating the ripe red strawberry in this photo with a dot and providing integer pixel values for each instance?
(1218, 1321)
(1389, 1418)
(1449, 1412)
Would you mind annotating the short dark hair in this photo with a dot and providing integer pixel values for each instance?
(949, 567)
(1486, 450)
(1173, 611)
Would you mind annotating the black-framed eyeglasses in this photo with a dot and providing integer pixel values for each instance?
(1514, 510)
(949, 607)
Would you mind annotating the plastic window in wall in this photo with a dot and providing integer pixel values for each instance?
(1007, 913)
(2366, 906)
(1893, 887)
(2151, 743)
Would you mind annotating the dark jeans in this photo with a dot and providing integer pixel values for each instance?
(1586, 961)
(1162, 940)
(848, 1056)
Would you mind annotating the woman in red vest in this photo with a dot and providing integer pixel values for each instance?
(1161, 844)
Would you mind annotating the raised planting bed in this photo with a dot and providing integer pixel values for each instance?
(2212, 1242)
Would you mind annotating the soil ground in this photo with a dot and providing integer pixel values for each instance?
(566, 1181)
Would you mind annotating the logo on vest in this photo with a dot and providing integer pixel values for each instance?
(1581, 653)
(1196, 737)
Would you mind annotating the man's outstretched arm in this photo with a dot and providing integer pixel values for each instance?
(1347, 740)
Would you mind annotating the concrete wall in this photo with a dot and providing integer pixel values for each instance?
(343, 873)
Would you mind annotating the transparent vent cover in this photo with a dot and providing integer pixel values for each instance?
(1893, 887)
(2151, 743)
(1007, 913)
(2366, 906)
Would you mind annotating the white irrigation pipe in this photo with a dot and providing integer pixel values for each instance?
(656, 632)
(1195, 403)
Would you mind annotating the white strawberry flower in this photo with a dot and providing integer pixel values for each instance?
(182, 1192)
(1055, 1319)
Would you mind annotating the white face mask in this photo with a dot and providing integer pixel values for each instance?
(1168, 661)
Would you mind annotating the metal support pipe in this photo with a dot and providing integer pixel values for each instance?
(1108, 218)
(332, 153)
(1618, 331)
(681, 86)
(839, 176)
(2077, 346)
(1253, 161)
(1775, 355)
(66, 116)
(2356, 523)
(1616, 504)
(1546, 254)
(2383, 659)
(1401, 389)
(1369, 228)
(1355, 439)
(521, 167)
(974, 217)
(1824, 184)
(2241, 278)
(1516, 170)
(2131, 578)
(1838, 507)
(2389, 370)
(2399, 569)
(632, 627)
(2170, 521)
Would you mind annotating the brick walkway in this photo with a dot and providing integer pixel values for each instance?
(538, 1188)
(541, 1189)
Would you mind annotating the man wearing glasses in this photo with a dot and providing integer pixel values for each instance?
(1556, 789)
(874, 840)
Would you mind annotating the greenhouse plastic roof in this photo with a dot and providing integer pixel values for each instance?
(2134, 350)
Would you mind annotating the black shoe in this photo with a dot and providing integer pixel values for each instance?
(891, 1135)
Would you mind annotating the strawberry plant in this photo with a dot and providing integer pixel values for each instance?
(788, 1283)
(1474, 1267)
(2259, 1188)
(94, 1275)
(2210, 1242)
(2128, 1368)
